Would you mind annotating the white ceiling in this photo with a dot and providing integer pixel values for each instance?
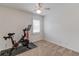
(30, 7)
(26, 7)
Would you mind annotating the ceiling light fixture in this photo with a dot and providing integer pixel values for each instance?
(39, 8)
(38, 11)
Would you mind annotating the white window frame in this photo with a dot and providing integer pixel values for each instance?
(36, 25)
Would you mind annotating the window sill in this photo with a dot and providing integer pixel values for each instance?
(36, 33)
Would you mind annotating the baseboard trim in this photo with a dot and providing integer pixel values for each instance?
(60, 44)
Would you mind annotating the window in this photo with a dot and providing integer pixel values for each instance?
(36, 26)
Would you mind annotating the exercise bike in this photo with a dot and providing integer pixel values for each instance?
(24, 39)
(14, 43)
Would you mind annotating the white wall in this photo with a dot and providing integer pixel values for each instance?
(61, 25)
(13, 20)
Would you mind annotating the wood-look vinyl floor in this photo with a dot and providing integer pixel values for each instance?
(48, 49)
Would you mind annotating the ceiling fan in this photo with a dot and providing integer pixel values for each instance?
(39, 8)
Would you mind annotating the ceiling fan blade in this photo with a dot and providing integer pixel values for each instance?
(47, 8)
